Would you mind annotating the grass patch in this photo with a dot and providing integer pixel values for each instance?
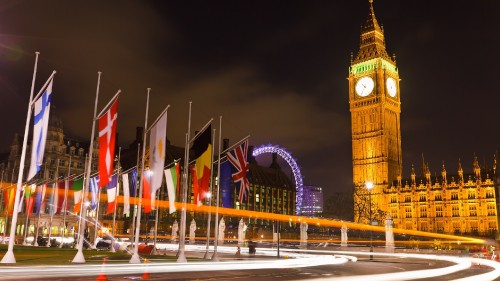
(29, 255)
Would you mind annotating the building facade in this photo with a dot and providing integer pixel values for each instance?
(464, 203)
(312, 201)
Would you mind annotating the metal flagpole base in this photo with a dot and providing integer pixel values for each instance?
(79, 258)
(206, 256)
(9, 257)
(135, 259)
(215, 257)
(36, 243)
(181, 257)
(112, 247)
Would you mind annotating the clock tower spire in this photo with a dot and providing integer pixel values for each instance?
(375, 105)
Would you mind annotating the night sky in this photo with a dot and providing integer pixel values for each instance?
(273, 69)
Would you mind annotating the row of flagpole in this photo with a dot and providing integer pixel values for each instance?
(9, 256)
(40, 104)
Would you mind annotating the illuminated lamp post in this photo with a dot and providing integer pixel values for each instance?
(369, 187)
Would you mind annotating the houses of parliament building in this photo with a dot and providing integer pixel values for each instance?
(463, 203)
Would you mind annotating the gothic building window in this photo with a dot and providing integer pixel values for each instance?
(454, 196)
(472, 210)
(472, 195)
(423, 212)
(439, 211)
(490, 194)
(491, 209)
(455, 211)
(408, 212)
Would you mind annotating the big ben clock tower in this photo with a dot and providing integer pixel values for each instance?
(375, 105)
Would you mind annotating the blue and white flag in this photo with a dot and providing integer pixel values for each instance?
(94, 192)
(129, 184)
(41, 123)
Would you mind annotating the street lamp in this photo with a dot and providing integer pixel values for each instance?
(369, 187)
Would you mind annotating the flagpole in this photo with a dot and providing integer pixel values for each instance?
(134, 212)
(215, 257)
(96, 220)
(235, 145)
(82, 198)
(79, 258)
(66, 201)
(181, 257)
(53, 210)
(35, 243)
(135, 257)
(9, 256)
(26, 226)
(116, 199)
(156, 223)
(210, 201)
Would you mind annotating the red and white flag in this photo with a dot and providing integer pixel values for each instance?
(107, 138)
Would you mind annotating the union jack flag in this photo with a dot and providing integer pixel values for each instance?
(238, 159)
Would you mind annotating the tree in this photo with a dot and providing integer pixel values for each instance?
(339, 206)
(362, 207)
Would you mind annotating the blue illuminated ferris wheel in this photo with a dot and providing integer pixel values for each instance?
(293, 165)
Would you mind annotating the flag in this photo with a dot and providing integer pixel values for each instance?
(8, 197)
(225, 185)
(238, 159)
(77, 187)
(29, 198)
(94, 192)
(128, 182)
(157, 142)
(172, 179)
(112, 191)
(40, 198)
(41, 123)
(195, 185)
(60, 196)
(202, 147)
(107, 136)
(146, 192)
(54, 198)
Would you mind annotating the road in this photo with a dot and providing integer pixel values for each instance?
(296, 265)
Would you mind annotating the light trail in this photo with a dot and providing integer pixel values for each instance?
(301, 260)
(461, 263)
(298, 219)
(296, 259)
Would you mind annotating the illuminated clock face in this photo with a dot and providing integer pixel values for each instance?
(364, 86)
(391, 86)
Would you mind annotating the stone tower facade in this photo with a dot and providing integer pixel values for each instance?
(375, 106)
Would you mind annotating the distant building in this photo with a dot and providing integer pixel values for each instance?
(312, 201)
(459, 204)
